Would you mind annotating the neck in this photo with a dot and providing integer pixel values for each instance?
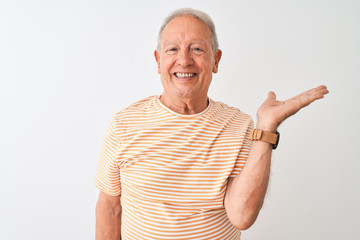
(186, 106)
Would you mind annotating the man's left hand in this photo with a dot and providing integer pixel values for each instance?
(273, 112)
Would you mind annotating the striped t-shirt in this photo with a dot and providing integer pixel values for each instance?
(171, 170)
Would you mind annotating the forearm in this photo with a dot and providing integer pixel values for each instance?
(246, 192)
(108, 223)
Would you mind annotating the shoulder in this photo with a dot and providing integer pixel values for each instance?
(137, 113)
(138, 107)
(224, 110)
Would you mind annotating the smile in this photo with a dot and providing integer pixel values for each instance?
(184, 75)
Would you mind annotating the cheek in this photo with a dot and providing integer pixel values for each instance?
(207, 67)
(207, 63)
(165, 66)
(165, 71)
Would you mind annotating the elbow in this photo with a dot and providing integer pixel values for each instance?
(242, 219)
(241, 216)
(243, 223)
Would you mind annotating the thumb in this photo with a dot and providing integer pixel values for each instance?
(271, 96)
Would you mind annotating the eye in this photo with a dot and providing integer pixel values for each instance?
(171, 50)
(197, 50)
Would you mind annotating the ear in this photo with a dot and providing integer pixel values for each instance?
(157, 58)
(217, 57)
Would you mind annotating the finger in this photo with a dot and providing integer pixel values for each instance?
(271, 100)
(322, 90)
(322, 87)
(271, 96)
(309, 96)
(316, 93)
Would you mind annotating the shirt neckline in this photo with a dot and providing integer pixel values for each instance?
(209, 106)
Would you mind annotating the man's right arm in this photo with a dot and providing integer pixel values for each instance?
(108, 217)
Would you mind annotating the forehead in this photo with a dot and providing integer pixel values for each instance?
(186, 28)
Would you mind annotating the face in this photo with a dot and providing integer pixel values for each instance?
(186, 59)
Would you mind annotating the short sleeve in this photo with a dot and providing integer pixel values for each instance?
(108, 173)
(244, 151)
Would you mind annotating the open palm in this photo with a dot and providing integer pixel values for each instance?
(273, 112)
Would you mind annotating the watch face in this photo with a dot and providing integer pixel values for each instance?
(277, 140)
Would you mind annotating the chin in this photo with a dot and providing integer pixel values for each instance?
(187, 93)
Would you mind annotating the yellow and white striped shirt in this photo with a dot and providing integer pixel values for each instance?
(171, 170)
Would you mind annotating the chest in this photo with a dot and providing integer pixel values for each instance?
(178, 162)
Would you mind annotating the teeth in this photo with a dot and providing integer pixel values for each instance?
(184, 75)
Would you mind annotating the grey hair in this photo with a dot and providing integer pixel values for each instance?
(196, 13)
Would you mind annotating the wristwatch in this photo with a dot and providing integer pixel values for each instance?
(269, 137)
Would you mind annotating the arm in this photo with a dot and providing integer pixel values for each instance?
(108, 217)
(246, 192)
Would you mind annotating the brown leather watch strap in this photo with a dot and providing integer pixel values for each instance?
(259, 135)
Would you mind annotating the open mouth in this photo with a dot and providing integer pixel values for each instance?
(184, 75)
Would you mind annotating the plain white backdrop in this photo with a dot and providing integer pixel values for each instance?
(67, 66)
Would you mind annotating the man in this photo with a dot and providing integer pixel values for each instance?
(179, 165)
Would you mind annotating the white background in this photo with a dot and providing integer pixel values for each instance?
(67, 66)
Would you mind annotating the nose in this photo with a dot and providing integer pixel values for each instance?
(184, 58)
